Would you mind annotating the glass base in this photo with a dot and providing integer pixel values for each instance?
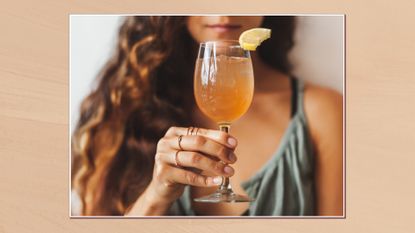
(224, 196)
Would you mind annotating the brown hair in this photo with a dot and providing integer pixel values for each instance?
(145, 88)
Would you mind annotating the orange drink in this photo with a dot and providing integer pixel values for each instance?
(224, 87)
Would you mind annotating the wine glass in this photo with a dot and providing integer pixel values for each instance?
(223, 88)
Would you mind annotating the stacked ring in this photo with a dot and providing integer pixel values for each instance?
(192, 131)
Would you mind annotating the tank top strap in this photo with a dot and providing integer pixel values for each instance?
(297, 98)
(294, 93)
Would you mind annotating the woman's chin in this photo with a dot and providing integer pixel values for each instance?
(222, 36)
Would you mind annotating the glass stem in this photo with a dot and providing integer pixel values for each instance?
(226, 185)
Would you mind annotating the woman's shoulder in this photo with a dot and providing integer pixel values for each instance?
(323, 108)
(321, 98)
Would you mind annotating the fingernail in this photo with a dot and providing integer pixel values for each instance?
(232, 157)
(228, 170)
(232, 141)
(217, 180)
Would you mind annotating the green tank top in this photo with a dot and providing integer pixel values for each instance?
(284, 186)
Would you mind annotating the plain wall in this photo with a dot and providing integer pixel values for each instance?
(318, 55)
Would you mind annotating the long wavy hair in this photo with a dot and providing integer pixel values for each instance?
(145, 88)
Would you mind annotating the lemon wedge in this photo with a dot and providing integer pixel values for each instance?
(252, 38)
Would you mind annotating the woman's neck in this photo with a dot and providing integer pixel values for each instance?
(267, 79)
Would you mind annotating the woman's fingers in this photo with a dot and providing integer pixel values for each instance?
(196, 160)
(216, 135)
(177, 175)
(200, 144)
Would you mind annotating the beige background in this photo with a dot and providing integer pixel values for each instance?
(34, 117)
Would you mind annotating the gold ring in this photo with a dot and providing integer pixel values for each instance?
(175, 158)
(191, 131)
(179, 141)
(188, 130)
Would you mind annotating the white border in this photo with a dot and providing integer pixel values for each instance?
(69, 125)
(212, 217)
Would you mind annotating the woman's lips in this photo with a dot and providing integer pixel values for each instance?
(221, 28)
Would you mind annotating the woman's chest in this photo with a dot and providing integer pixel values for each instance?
(259, 135)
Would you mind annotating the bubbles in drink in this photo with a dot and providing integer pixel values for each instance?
(224, 87)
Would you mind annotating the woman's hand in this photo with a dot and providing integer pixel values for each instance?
(198, 160)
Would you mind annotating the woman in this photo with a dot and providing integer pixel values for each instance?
(125, 159)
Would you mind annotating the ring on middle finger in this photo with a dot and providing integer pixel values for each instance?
(179, 142)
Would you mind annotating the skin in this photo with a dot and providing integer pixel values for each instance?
(270, 113)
